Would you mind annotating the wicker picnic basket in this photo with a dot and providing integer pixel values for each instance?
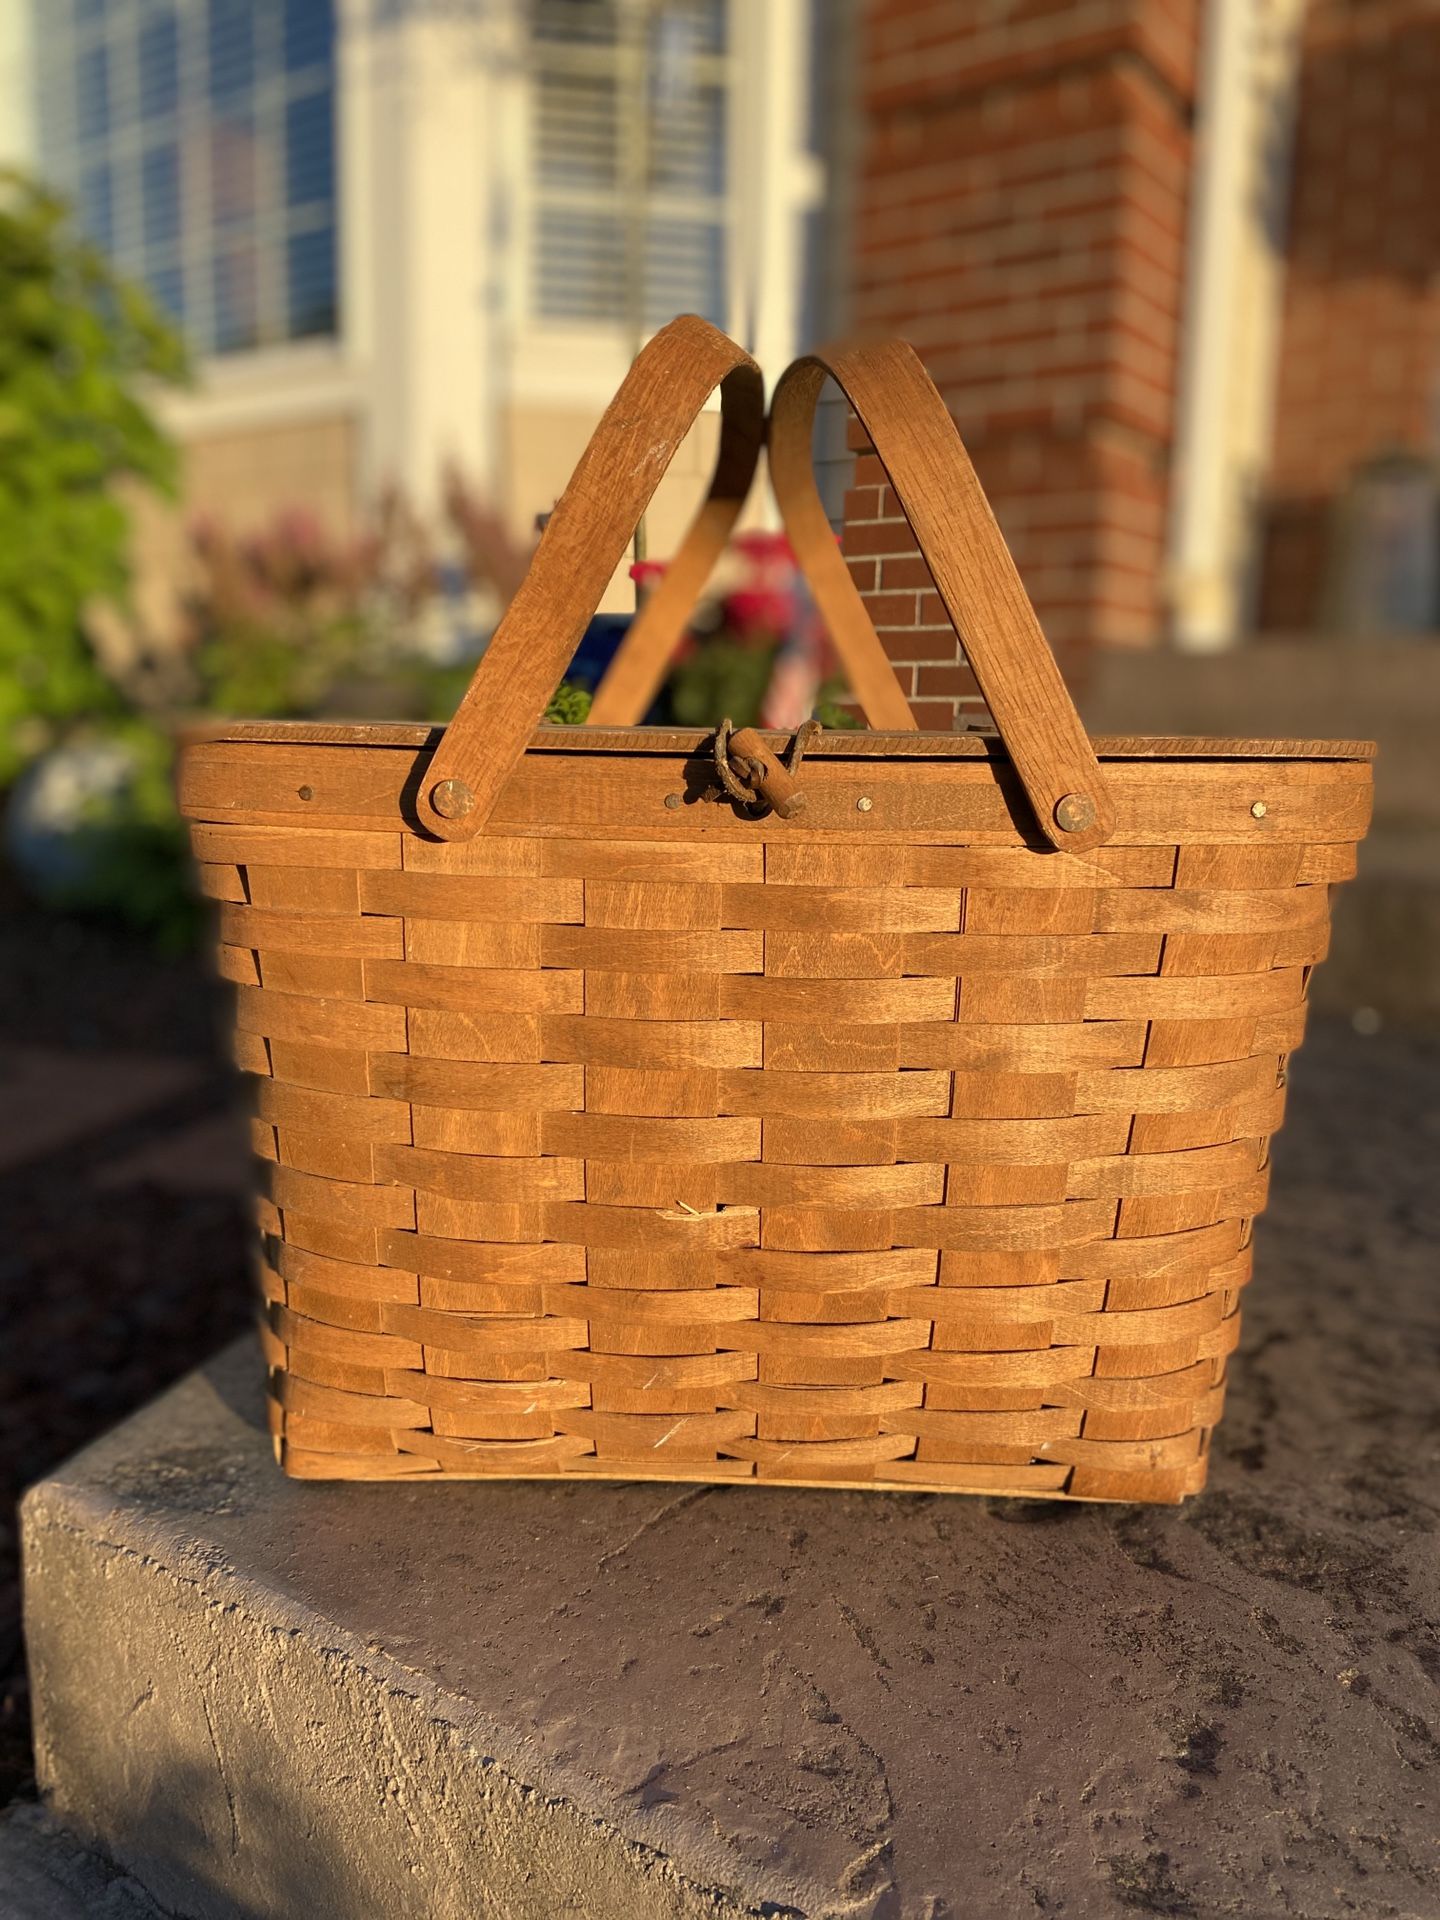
(639, 1103)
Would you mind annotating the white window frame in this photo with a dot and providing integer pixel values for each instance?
(772, 180)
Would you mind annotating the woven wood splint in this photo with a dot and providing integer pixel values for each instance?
(901, 1126)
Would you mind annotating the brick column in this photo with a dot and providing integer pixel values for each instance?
(901, 599)
(1020, 219)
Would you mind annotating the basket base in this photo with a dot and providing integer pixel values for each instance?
(321, 1468)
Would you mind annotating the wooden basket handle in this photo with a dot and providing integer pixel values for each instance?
(583, 543)
(925, 459)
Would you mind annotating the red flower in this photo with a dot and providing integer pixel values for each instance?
(765, 549)
(760, 609)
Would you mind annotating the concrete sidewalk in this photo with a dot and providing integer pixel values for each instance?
(266, 1699)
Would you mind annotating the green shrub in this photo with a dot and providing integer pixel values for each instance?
(77, 344)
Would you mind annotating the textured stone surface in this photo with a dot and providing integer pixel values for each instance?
(268, 1699)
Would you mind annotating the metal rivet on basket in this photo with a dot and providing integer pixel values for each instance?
(1257, 809)
(673, 800)
(1074, 812)
(306, 793)
(451, 798)
(864, 803)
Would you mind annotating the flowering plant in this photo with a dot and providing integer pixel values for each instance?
(758, 652)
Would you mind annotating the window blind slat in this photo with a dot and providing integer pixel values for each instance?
(588, 87)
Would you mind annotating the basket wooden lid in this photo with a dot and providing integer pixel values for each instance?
(842, 744)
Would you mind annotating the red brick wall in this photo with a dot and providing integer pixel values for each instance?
(1020, 211)
(1359, 371)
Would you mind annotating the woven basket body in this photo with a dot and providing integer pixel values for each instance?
(884, 1145)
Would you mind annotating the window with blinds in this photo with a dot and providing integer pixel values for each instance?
(630, 170)
(197, 140)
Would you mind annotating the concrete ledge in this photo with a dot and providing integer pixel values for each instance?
(510, 1702)
(46, 1875)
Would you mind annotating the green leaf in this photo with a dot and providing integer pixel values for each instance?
(568, 706)
(78, 342)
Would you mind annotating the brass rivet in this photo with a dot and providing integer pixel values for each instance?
(1074, 812)
(306, 793)
(1257, 810)
(864, 803)
(451, 798)
(673, 800)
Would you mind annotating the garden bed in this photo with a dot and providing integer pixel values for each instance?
(133, 1189)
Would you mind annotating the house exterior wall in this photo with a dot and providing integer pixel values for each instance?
(440, 352)
(238, 476)
(1019, 189)
(1021, 213)
(1244, 125)
(541, 447)
(1359, 370)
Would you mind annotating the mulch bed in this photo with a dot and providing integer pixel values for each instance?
(107, 1293)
